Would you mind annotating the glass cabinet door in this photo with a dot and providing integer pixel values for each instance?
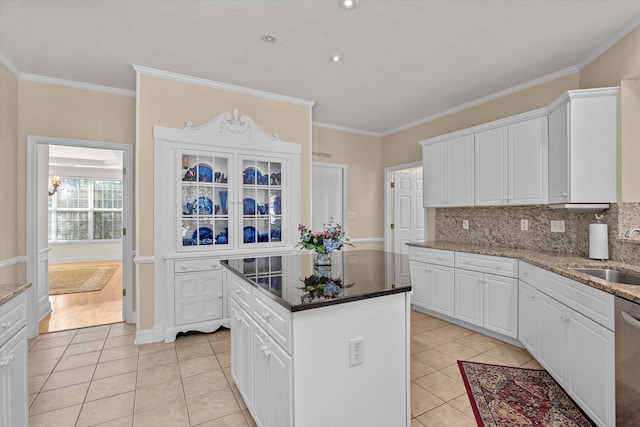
(204, 211)
(262, 201)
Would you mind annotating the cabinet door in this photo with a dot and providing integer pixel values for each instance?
(241, 351)
(203, 201)
(260, 375)
(441, 290)
(550, 336)
(527, 317)
(263, 203)
(501, 304)
(491, 167)
(13, 381)
(590, 367)
(281, 386)
(420, 275)
(433, 169)
(469, 296)
(558, 155)
(198, 297)
(460, 171)
(528, 162)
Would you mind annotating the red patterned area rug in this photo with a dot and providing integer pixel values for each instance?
(504, 396)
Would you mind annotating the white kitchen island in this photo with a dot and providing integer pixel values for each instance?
(340, 361)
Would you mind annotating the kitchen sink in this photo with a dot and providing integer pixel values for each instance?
(610, 275)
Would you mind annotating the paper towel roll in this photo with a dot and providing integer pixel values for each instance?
(598, 241)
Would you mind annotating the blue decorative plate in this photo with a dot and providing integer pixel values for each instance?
(205, 173)
(203, 206)
(188, 242)
(249, 175)
(206, 235)
(249, 234)
(249, 206)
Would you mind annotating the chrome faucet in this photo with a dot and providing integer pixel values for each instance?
(630, 232)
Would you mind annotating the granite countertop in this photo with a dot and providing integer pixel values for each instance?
(371, 272)
(9, 291)
(557, 263)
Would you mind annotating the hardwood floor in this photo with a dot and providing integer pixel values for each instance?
(83, 309)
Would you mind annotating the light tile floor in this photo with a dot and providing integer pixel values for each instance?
(97, 376)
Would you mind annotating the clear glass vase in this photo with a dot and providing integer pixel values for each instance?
(322, 259)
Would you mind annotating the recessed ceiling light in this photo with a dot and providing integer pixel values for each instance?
(269, 38)
(335, 58)
(348, 4)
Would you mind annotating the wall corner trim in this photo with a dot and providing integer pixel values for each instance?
(10, 66)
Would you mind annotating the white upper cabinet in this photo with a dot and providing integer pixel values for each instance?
(582, 146)
(511, 164)
(224, 187)
(448, 172)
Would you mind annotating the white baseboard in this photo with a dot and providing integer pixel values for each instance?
(148, 336)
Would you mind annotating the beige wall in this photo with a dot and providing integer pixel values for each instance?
(8, 172)
(171, 103)
(620, 62)
(363, 156)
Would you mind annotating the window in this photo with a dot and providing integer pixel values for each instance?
(86, 209)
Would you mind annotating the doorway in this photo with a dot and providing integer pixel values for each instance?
(328, 193)
(404, 211)
(85, 222)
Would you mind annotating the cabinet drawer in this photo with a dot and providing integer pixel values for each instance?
(274, 318)
(189, 265)
(488, 264)
(13, 316)
(433, 256)
(593, 303)
(239, 290)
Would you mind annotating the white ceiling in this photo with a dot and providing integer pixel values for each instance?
(403, 60)
(81, 157)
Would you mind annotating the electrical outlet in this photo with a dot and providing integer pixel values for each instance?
(524, 224)
(465, 224)
(557, 226)
(356, 351)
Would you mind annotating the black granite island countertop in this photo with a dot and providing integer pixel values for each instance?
(363, 273)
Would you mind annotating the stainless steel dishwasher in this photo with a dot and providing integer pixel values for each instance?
(627, 363)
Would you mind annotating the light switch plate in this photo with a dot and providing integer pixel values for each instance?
(524, 224)
(465, 224)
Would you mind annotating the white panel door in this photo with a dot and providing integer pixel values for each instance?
(501, 304)
(468, 296)
(327, 198)
(408, 218)
(528, 162)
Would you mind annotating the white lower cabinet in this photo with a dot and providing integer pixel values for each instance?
(476, 289)
(561, 334)
(487, 300)
(432, 287)
(13, 363)
(272, 381)
(241, 351)
(486, 292)
(197, 300)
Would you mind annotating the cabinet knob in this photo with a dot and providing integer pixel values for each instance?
(466, 261)
(236, 291)
(525, 273)
(6, 325)
(564, 317)
(238, 318)
(214, 264)
(183, 266)
(499, 267)
(220, 296)
(266, 315)
(564, 194)
(440, 258)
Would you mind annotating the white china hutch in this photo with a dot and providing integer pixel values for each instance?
(223, 189)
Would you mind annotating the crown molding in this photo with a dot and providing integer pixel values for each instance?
(491, 97)
(7, 63)
(219, 85)
(347, 129)
(77, 85)
(619, 35)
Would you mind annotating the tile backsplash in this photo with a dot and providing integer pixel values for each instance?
(501, 226)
